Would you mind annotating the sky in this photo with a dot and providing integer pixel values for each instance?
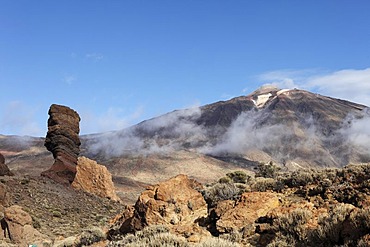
(118, 63)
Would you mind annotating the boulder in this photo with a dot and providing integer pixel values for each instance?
(20, 227)
(63, 141)
(94, 178)
(4, 169)
(175, 203)
(234, 216)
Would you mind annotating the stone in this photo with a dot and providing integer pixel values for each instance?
(94, 178)
(20, 227)
(4, 169)
(251, 205)
(174, 203)
(63, 141)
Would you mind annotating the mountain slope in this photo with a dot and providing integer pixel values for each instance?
(292, 127)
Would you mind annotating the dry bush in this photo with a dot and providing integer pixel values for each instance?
(90, 236)
(151, 236)
(221, 191)
(263, 184)
(329, 232)
(217, 242)
(282, 241)
(292, 226)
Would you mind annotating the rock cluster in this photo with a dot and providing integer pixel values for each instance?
(63, 141)
(4, 169)
(174, 203)
(94, 178)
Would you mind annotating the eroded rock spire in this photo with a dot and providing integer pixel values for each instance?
(63, 141)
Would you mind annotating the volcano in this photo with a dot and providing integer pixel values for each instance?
(294, 128)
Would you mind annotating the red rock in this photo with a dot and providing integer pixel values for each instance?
(174, 203)
(4, 169)
(63, 141)
(246, 211)
(94, 178)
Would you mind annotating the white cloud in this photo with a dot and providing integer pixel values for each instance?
(112, 119)
(94, 56)
(19, 119)
(350, 84)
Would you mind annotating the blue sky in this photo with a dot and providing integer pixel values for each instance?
(120, 62)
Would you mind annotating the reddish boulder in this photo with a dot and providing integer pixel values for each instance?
(252, 205)
(95, 179)
(175, 203)
(4, 169)
(63, 141)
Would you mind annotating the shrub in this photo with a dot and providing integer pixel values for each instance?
(238, 177)
(219, 192)
(151, 236)
(292, 225)
(330, 228)
(90, 236)
(217, 242)
(225, 180)
(263, 184)
(268, 170)
(282, 241)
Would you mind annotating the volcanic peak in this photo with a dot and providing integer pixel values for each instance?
(265, 94)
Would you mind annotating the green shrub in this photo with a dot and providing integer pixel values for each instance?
(263, 184)
(225, 180)
(238, 177)
(268, 170)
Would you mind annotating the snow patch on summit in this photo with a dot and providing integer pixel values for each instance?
(262, 99)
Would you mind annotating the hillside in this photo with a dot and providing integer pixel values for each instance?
(294, 128)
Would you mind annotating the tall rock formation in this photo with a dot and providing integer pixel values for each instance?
(63, 141)
(4, 169)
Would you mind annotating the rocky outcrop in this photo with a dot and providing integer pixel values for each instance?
(4, 169)
(251, 205)
(94, 178)
(63, 141)
(20, 227)
(174, 203)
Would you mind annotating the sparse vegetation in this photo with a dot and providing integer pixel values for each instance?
(90, 236)
(268, 170)
(151, 236)
(238, 177)
(221, 191)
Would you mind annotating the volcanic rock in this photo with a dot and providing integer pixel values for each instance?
(20, 227)
(63, 141)
(174, 203)
(4, 169)
(94, 178)
(252, 205)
